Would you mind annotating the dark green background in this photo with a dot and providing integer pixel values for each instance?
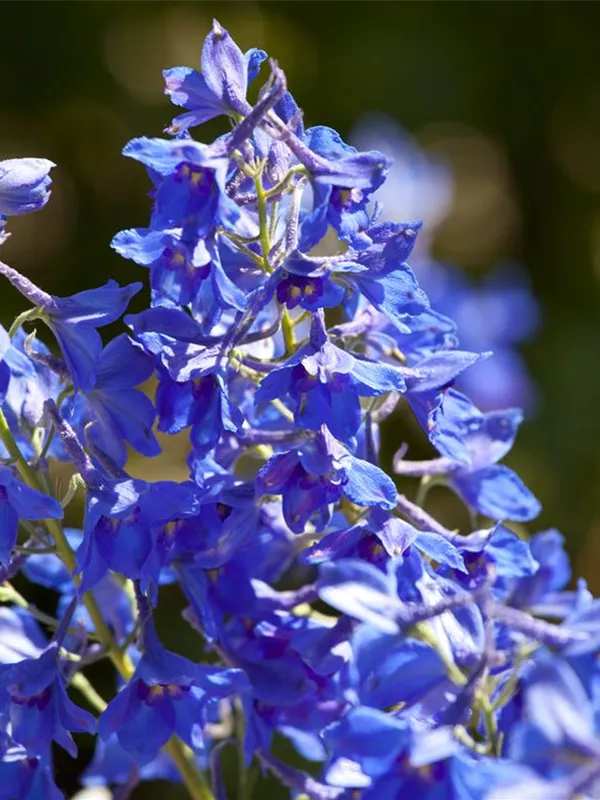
(78, 79)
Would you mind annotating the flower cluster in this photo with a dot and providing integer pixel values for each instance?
(398, 658)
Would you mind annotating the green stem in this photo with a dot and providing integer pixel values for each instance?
(247, 252)
(263, 222)
(81, 683)
(25, 316)
(192, 778)
(281, 187)
(289, 336)
(424, 486)
(8, 594)
(491, 724)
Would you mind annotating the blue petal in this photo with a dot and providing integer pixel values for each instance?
(275, 384)
(388, 669)
(142, 245)
(4, 342)
(511, 555)
(369, 737)
(367, 485)
(31, 504)
(126, 415)
(81, 347)
(557, 704)
(96, 307)
(20, 636)
(361, 591)
(144, 735)
(123, 364)
(254, 58)
(224, 69)
(175, 404)
(396, 294)
(441, 550)
(439, 369)
(9, 524)
(497, 492)
(375, 378)
(119, 711)
(187, 87)
(491, 440)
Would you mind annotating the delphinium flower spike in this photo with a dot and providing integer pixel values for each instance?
(396, 655)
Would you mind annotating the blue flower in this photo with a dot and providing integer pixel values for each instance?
(220, 89)
(108, 507)
(39, 707)
(190, 191)
(380, 537)
(486, 486)
(326, 382)
(183, 273)
(112, 765)
(386, 669)
(19, 501)
(317, 475)
(442, 412)
(339, 201)
(119, 412)
(497, 555)
(74, 320)
(122, 523)
(381, 755)
(202, 403)
(379, 273)
(26, 777)
(24, 185)
(31, 384)
(472, 443)
(409, 592)
(542, 591)
(557, 730)
(167, 695)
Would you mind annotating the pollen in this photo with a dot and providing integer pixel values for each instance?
(295, 292)
(169, 530)
(345, 196)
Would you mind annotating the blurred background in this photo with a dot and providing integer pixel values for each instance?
(492, 112)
